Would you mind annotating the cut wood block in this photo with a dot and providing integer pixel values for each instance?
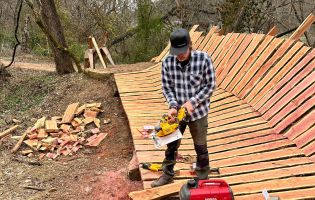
(69, 113)
(42, 134)
(26, 152)
(31, 143)
(65, 128)
(49, 140)
(97, 122)
(88, 120)
(97, 140)
(97, 105)
(80, 110)
(76, 122)
(158, 192)
(90, 113)
(51, 126)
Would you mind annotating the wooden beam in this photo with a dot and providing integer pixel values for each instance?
(303, 27)
(98, 52)
(158, 192)
(273, 31)
(8, 131)
(106, 52)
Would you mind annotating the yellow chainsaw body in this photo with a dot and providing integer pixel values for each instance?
(165, 127)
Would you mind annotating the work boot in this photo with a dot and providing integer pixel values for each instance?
(202, 173)
(162, 180)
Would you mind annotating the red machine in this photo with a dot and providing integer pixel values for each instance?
(214, 189)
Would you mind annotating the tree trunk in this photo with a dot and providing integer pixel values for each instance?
(52, 22)
(25, 36)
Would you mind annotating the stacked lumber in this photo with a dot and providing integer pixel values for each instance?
(52, 137)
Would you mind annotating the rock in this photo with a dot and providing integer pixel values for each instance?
(133, 169)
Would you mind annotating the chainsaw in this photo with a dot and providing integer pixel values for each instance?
(166, 131)
(165, 127)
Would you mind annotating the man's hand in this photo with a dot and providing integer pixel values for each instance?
(171, 115)
(189, 107)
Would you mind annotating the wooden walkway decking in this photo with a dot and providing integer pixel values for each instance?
(261, 130)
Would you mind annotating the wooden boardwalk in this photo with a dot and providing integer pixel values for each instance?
(261, 130)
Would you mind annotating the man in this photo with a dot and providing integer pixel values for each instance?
(188, 80)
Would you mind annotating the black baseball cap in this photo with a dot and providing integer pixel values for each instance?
(180, 40)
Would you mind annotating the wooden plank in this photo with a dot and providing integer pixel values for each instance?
(297, 194)
(273, 31)
(309, 149)
(230, 52)
(217, 59)
(305, 138)
(238, 53)
(158, 192)
(69, 113)
(19, 143)
(283, 99)
(283, 77)
(276, 185)
(261, 88)
(256, 66)
(281, 173)
(303, 27)
(249, 62)
(8, 131)
(98, 52)
(213, 44)
(218, 48)
(240, 61)
(207, 37)
(51, 126)
(284, 118)
(261, 72)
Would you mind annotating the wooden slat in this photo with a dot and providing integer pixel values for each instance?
(303, 27)
(265, 68)
(227, 66)
(260, 89)
(256, 66)
(240, 62)
(284, 78)
(278, 103)
(207, 37)
(250, 61)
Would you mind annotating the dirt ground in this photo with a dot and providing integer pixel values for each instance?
(92, 173)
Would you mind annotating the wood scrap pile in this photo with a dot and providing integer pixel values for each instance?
(79, 127)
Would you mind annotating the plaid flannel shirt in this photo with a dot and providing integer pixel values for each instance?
(194, 82)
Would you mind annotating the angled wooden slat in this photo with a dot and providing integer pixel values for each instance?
(217, 59)
(303, 27)
(254, 68)
(273, 31)
(250, 61)
(283, 86)
(207, 37)
(215, 54)
(281, 120)
(230, 52)
(261, 88)
(265, 68)
(240, 62)
(306, 138)
(213, 44)
(277, 105)
(226, 67)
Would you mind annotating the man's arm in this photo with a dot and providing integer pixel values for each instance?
(168, 87)
(209, 86)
